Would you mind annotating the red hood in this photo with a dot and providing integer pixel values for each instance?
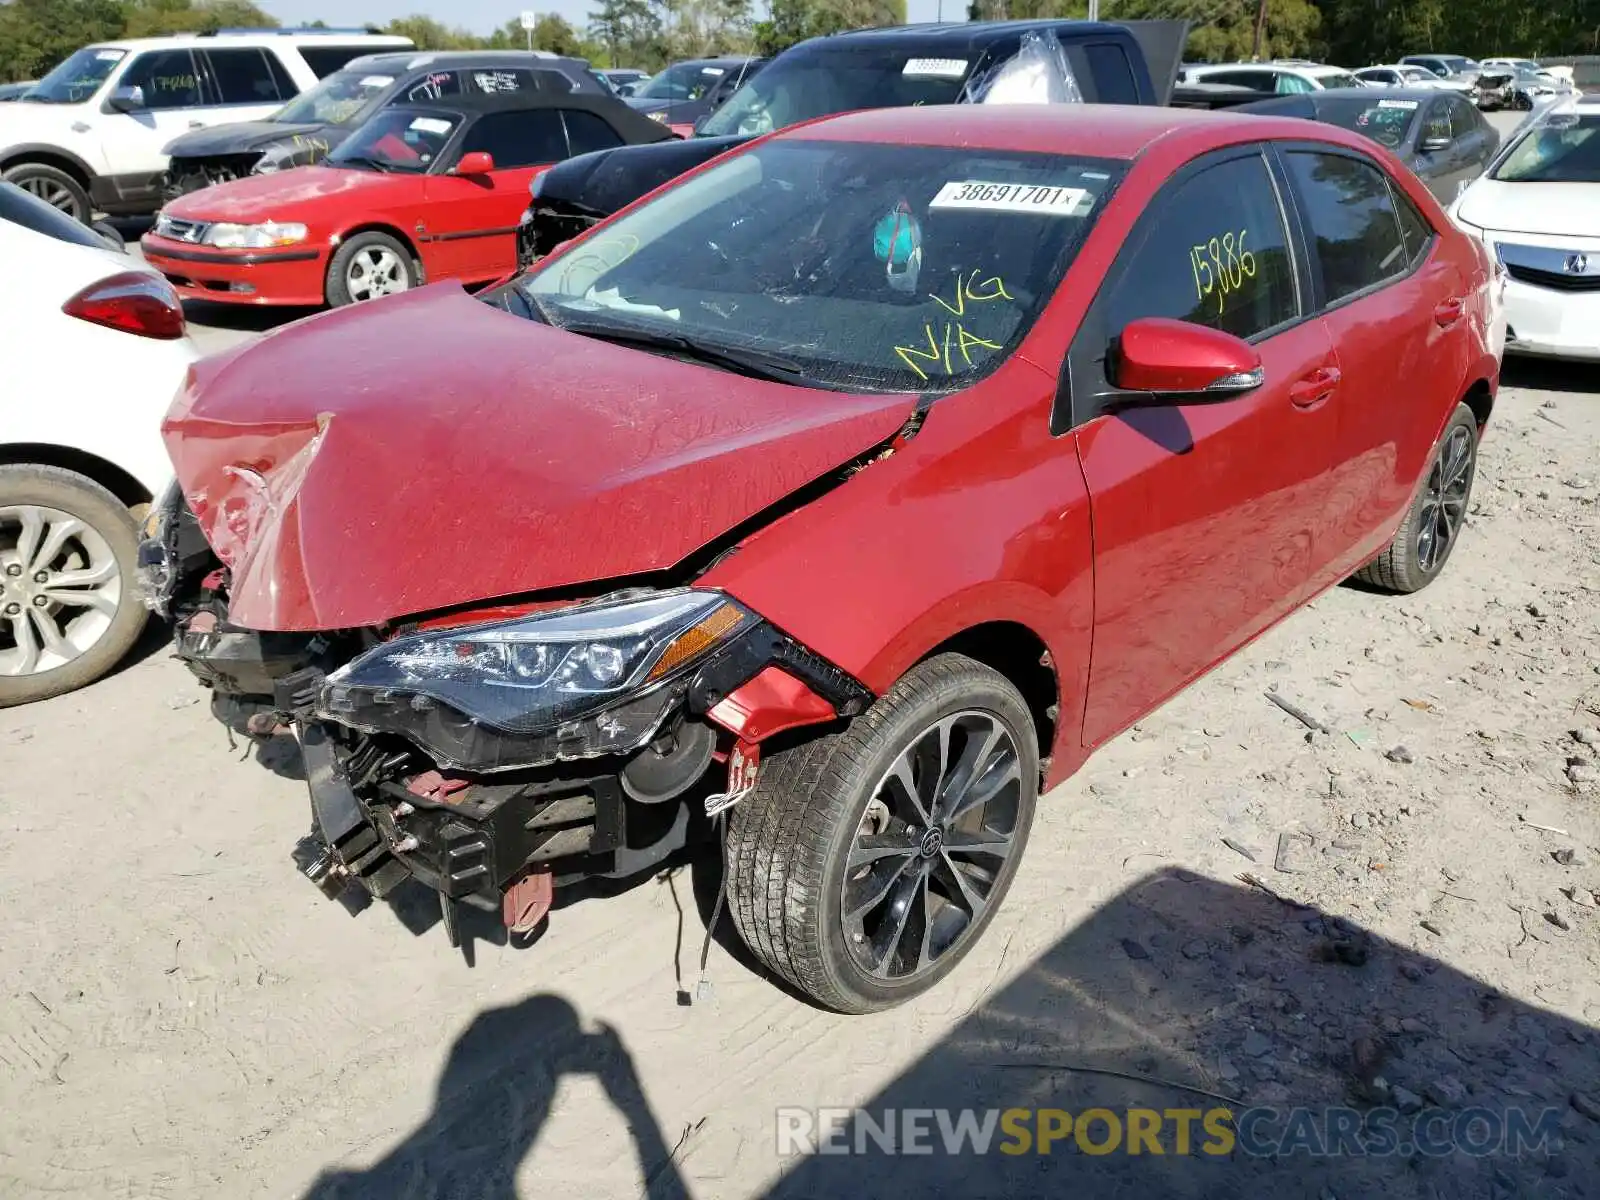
(283, 196)
(432, 451)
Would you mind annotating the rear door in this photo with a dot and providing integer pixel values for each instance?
(1391, 304)
(472, 221)
(1207, 517)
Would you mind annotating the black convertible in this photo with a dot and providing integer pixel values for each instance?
(1131, 63)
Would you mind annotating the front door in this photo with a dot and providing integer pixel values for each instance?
(472, 219)
(1206, 516)
(172, 102)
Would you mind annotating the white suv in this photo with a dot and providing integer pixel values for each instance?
(1283, 78)
(91, 135)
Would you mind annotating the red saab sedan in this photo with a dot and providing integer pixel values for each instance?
(420, 192)
(844, 494)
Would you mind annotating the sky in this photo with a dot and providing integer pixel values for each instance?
(484, 16)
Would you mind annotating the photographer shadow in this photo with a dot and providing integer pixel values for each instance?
(494, 1096)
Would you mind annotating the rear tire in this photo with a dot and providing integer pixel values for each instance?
(368, 266)
(90, 639)
(1432, 526)
(54, 186)
(821, 864)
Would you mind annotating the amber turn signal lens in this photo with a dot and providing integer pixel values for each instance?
(697, 639)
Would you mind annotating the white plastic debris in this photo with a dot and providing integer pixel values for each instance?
(1038, 73)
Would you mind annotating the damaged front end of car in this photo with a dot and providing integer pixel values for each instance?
(496, 755)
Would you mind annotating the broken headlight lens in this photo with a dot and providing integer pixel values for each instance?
(570, 683)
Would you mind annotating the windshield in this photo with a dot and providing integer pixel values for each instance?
(77, 79)
(1456, 65)
(818, 85)
(867, 266)
(685, 81)
(1387, 122)
(398, 139)
(340, 98)
(1560, 149)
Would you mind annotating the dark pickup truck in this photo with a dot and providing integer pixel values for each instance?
(1132, 63)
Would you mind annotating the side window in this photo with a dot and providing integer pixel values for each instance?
(1212, 250)
(495, 81)
(1352, 221)
(1113, 78)
(1261, 81)
(287, 88)
(325, 60)
(1415, 231)
(168, 79)
(434, 86)
(586, 132)
(519, 139)
(1292, 85)
(1437, 122)
(554, 81)
(242, 77)
(1463, 119)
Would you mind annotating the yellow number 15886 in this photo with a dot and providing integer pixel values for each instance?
(1220, 267)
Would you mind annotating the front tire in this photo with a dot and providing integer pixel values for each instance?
(69, 610)
(1428, 535)
(867, 862)
(368, 267)
(54, 186)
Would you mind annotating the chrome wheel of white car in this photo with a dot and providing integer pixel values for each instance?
(376, 271)
(60, 587)
(68, 611)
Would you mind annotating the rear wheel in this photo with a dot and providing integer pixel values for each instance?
(868, 862)
(52, 185)
(68, 608)
(1427, 536)
(368, 267)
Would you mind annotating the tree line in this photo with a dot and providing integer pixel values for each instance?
(37, 34)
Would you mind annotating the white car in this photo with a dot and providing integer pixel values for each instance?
(1282, 78)
(1537, 208)
(92, 134)
(1405, 75)
(96, 350)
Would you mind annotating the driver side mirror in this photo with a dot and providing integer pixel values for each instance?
(126, 100)
(1168, 359)
(475, 162)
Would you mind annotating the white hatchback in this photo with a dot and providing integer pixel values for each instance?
(96, 349)
(1537, 208)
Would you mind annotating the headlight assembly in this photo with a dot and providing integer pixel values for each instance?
(570, 683)
(226, 236)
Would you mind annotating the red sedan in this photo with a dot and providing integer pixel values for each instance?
(850, 490)
(420, 192)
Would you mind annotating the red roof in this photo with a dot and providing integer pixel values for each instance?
(1116, 131)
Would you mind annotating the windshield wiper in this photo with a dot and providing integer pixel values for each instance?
(364, 160)
(752, 363)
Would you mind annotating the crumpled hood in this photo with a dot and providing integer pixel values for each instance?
(241, 138)
(430, 450)
(1549, 209)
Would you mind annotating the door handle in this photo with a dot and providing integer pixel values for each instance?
(197, 124)
(1315, 387)
(1449, 312)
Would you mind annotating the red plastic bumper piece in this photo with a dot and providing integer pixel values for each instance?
(770, 703)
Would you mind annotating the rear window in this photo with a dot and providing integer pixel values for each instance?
(1354, 225)
(1109, 75)
(325, 60)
